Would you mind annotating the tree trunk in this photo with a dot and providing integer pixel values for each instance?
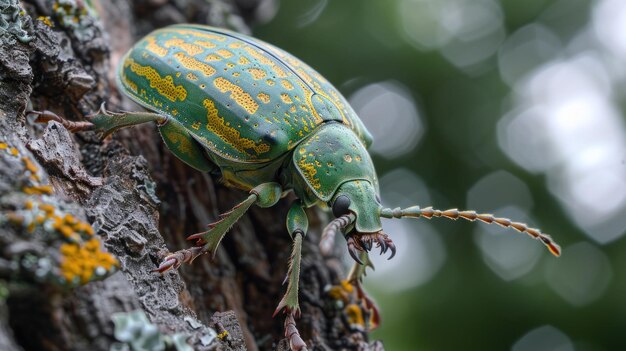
(140, 200)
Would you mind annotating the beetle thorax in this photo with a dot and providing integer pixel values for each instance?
(331, 156)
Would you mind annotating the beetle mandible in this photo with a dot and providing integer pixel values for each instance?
(267, 123)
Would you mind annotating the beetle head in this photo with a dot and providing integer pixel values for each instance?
(358, 213)
(357, 209)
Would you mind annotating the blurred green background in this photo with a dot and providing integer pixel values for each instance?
(511, 107)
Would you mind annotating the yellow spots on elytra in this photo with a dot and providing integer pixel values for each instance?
(190, 49)
(257, 73)
(286, 99)
(230, 65)
(286, 84)
(242, 98)
(192, 77)
(270, 82)
(156, 102)
(293, 62)
(174, 112)
(178, 74)
(236, 74)
(212, 57)
(279, 71)
(200, 34)
(129, 83)
(193, 64)
(266, 61)
(243, 60)
(235, 45)
(265, 98)
(4, 146)
(257, 55)
(202, 86)
(217, 125)
(292, 109)
(205, 44)
(164, 85)
(153, 47)
(357, 158)
(196, 125)
(225, 53)
(347, 158)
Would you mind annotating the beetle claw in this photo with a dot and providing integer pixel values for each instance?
(174, 260)
(353, 249)
(383, 246)
(392, 247)
(367, 244)
(167, 264)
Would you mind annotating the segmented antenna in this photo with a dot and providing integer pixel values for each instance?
(328, 235)
(472, 216)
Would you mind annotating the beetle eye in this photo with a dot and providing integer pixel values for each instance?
(341, 205)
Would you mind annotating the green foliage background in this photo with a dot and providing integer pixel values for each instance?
(465, 306)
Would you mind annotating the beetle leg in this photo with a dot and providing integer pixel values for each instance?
(174, 260)
(107, 122)
(293, 335)
(264, 195)
(297, 226)
(354, 277)
(72, 126)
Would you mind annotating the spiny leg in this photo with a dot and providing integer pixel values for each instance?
(360, 256)
(472, 216)
(46, 116)
(264, 195)
(297, 226)
(355, 278)
(103, 121)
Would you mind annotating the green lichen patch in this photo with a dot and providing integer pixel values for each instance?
(12, 20)
(136, 333)
(79, 16)
(52, 244)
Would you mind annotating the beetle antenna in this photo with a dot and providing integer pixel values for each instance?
(472, 216)
(328, 235)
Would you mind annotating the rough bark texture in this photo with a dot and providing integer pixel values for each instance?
(140, 200)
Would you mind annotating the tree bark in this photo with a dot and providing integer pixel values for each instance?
(142, 201)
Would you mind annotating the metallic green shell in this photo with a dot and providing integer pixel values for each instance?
(244, 100)
(331, 157)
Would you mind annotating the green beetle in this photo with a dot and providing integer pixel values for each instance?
(267, 123)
